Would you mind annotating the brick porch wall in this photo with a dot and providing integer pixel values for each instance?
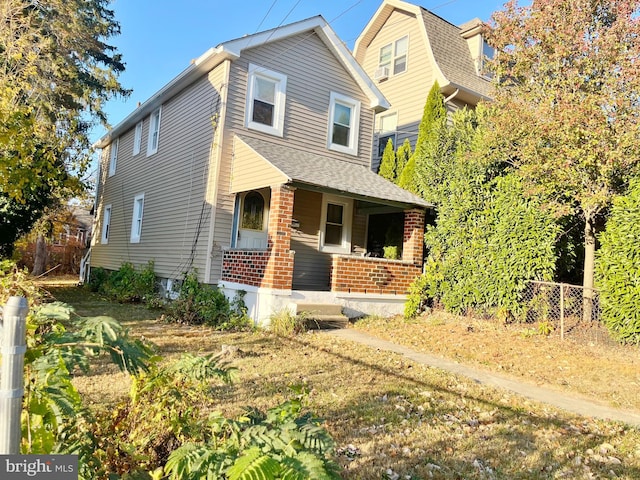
(244, 266)
(372, 275)
(413, 239)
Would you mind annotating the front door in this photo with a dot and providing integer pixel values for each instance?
(252, 231)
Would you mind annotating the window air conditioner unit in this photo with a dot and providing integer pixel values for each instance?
(381, 73)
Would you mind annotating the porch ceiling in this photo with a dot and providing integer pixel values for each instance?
(317, 172)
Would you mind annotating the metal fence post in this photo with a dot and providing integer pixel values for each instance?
(12, 373)
(562, 311)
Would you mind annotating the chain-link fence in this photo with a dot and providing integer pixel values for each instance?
(567, 308)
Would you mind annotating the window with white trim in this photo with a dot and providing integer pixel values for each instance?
(113, 157)
(106, 224)
(137, 138)
(387, 131)
(344, 118)
(154, 131)
(266, 100)
(393, 56)
(136, 221)
(335, 228)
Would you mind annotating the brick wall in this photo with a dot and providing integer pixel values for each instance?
(244, 266)
(413, 240)
(372, 275)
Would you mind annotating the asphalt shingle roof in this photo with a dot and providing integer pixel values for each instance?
(313, 169)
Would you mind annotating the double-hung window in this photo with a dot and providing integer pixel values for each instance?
(106, 224)
(388, 127)
(393, 56)
(335, 230)
(113, 157)
(136, 221)
(266, 100)
(344, 117)
(154, 131)
(137, 138)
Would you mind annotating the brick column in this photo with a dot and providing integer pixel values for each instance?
(279, 271)
(413, 239)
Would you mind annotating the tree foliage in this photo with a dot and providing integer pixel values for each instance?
(434, 113)
(489, 237)
(389, 164)
(56, 72)
(618, 267)
(567, 92)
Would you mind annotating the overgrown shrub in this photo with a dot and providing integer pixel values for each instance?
(130, 285)
(202, 304)
(618, 267)
(97, 278)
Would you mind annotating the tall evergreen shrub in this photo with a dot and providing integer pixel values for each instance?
(618, 267)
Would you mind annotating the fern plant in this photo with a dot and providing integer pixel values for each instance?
(283, 443)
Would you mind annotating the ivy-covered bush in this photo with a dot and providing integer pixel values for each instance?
(618, 267)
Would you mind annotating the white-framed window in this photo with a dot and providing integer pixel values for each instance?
(266, 100)
(137, 138)
(106, 224)
(388, 126)
(393, 56)
(136, 220)
(344, 118)
(335, 225)
(154, 131)
(113, 156)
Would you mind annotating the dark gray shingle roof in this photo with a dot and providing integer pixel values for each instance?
(313, 169)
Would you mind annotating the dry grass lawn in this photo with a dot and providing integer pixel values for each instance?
(392, 419)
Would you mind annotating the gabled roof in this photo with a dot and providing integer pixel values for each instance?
(232, 50)
(303, 168)
(448, 49)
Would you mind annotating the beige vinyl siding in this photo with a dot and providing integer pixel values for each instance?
(174, 183)
(251, 171)
(312, 269)
(312, 74)
(406, 92)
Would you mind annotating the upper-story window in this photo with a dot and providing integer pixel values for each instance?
(113, 157)
(393, 56)
(388, 127)
(137, 138)
(344, 117)
(154, 131)
(266, 99)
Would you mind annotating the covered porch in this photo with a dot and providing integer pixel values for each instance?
(309, 229)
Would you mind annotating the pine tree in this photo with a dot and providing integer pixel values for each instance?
(434, 113)
(388, 166)
(403, 154)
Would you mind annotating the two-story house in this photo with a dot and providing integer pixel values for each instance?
(406, 49)
(253, 168)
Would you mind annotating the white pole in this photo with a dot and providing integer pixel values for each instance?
(12, 373)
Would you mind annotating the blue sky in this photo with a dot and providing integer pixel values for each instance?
(158, 39)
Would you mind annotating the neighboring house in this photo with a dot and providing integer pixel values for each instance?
(253, 168)
(405, 49)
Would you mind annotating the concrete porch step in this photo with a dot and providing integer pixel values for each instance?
(321, 316)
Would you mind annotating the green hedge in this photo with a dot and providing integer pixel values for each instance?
(618, 267)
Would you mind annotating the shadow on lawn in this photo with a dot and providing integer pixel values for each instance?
(454, 431)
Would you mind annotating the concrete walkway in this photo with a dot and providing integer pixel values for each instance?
(555, 398)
